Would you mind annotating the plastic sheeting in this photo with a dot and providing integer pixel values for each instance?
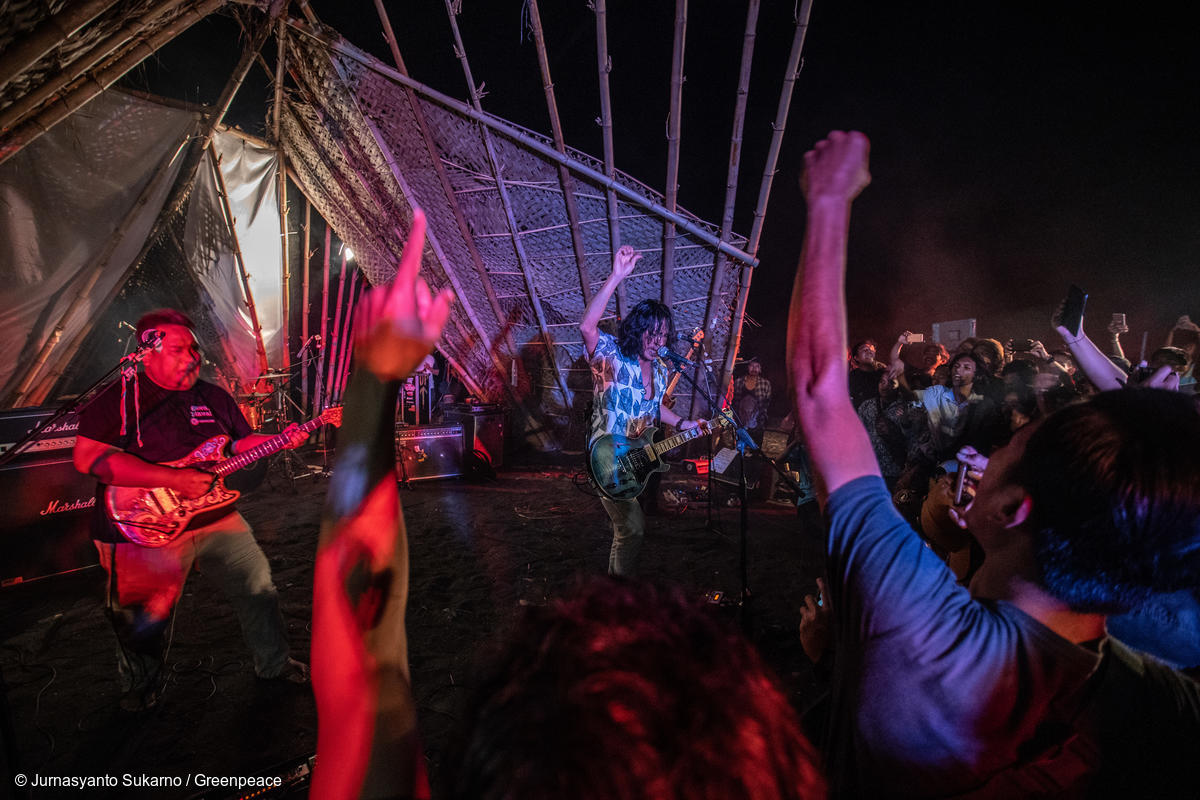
(69, 212)
(250, 174)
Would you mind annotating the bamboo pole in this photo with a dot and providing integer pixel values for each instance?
(731, 180)
(452, 197)
(49, 33)
(506, 202)
(223, 192)
(285, 276)
(344, 349)
(564, 175)
(685, 224)
(337, 324)
(604, 63)
(22, 106)
(768, 176)
(674, 124)
(82, 294)
(322, 391)
(56, 111)
(305, 304)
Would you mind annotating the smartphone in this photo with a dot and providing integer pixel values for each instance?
(1073, 306)
(916, 337)
(1118, 319)
(960, 482)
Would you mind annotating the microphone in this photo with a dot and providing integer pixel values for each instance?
(151, 337)
(676, 359)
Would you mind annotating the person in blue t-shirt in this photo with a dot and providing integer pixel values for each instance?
(1012, 687)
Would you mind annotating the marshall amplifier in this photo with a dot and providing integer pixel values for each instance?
(45, 505)
(483, 428)
(428, 451)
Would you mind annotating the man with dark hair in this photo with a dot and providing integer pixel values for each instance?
(628, 380)
(127, 434)
(1012, 688)
(865, 372)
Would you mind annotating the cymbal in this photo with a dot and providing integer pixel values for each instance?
(254, 395)
(272, 376)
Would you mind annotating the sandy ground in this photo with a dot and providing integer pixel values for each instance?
(480, 551)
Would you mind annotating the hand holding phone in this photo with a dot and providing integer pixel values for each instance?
(1071, 314)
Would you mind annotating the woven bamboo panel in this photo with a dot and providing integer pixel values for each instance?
(367, 150)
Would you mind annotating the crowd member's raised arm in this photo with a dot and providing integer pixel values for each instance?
(367, 734)
(1098, 367)
(835, 172)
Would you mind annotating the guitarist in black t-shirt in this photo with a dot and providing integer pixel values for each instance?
(125, 434)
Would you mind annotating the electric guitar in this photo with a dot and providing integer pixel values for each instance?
(155, 517)
(621, 466)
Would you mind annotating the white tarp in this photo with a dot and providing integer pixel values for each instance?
(70, 210)
(249, 172)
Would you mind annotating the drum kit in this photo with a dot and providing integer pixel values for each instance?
(265, 408)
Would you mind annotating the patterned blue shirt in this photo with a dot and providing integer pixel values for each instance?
(618, 394)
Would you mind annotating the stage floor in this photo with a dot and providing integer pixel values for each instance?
(480, 551)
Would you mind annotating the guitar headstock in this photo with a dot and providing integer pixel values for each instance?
(332, 416)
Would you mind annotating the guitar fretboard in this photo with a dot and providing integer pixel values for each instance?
(263, 450)
(671, 442)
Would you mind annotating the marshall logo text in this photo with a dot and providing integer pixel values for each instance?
(59, 507)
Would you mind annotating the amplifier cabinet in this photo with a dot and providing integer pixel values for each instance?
(45, 505)
(483, 428)
(45, 520)
(428, 451)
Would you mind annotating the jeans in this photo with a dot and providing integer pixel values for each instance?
(145, 583)
(629, 526)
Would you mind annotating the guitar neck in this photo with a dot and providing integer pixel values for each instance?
(671, 442)
(272, 445)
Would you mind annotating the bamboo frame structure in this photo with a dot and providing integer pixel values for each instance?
(731, 178)
(506, 202)
(564, 175)
(768, 177)
(33, 126)
(460, 220)
(48, 34)
(516, 135)
(22, 106)
(674, 124)
(604, 66)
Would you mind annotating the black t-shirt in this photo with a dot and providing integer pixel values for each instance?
(864, 384)
(172, 423)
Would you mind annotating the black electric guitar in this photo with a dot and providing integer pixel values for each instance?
(621, 466)
(155, 517)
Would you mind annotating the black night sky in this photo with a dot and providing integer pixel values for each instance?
(1016, 148)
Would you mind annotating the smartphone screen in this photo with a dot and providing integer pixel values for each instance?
(1073, 306)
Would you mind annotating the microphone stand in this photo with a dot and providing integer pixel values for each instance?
(127, 361)
(744, 443)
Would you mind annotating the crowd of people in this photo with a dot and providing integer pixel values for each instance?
(972, 628)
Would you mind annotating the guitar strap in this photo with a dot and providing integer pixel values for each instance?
(129, 373)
